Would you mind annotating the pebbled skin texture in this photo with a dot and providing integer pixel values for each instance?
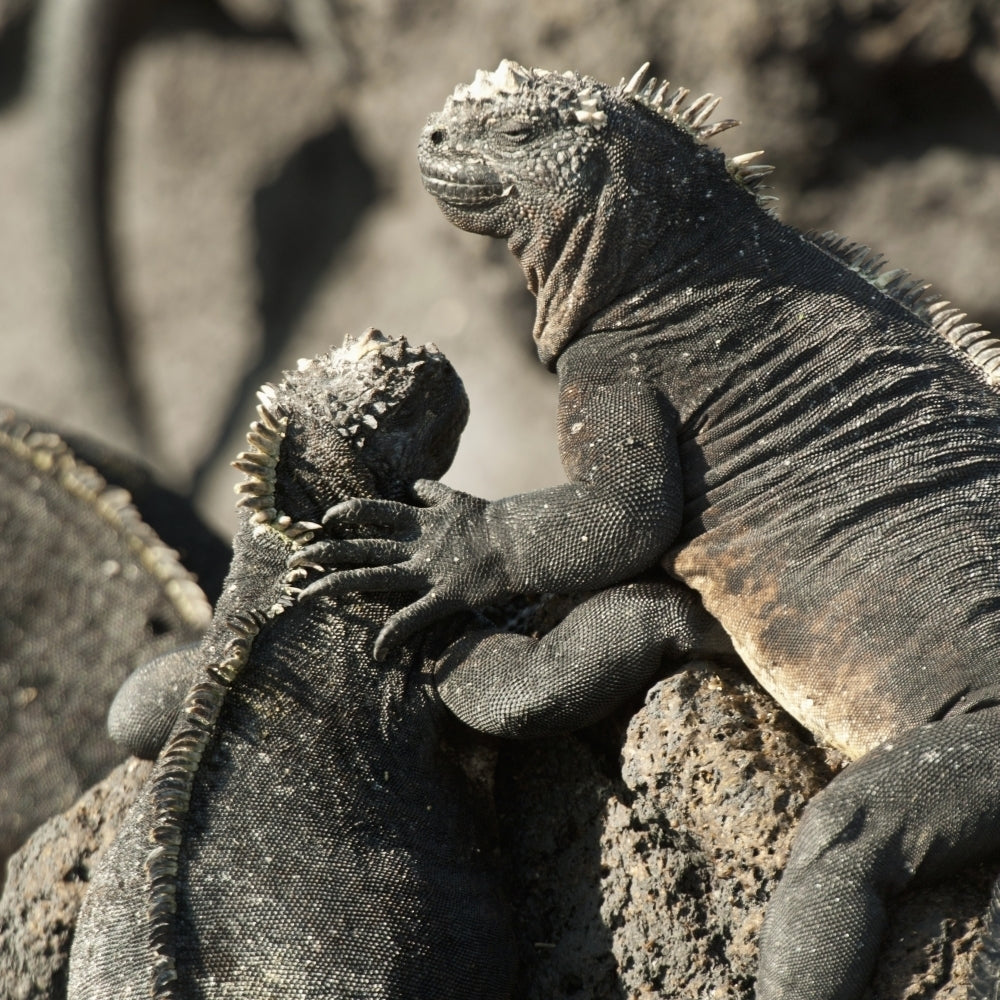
(816, 445)
(327, 844)
(89, 589)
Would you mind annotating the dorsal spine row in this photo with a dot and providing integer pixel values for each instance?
(980, 346)
(171, 787)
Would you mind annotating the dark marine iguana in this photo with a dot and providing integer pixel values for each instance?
(809, 441)
(304, 833)
(90, 586)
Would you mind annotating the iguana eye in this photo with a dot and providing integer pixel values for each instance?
(516, 129)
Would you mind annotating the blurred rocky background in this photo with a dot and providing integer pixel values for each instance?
(263, 197)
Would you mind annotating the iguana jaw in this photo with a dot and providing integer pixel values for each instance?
(466, 194)
(461, 182)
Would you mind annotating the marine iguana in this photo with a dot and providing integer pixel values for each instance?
(304, 832)
(808, 440)
(91, 586)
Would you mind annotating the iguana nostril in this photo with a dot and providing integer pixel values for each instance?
(437, 136)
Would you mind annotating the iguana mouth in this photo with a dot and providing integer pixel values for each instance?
(466, 194)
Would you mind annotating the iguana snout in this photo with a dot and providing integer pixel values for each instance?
(463, 181)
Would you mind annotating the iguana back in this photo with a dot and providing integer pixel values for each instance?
(304, 832)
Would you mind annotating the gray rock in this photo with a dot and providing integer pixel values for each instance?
(46, 881)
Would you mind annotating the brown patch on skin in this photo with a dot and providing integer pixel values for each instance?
(818, 651)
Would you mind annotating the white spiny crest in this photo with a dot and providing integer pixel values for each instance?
(510, 78)
(259, 462)
(591, 109)
(630, 88)
(258, 465)
(699, 111)
(694, 118)
(507, 78)
(587, 105)
(748, 173)
(979, 345)
(170, 789)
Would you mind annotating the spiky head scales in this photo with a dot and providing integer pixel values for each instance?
(365, 419)
(517, 101)
(588, 183)
(371, 416)
(580, 177)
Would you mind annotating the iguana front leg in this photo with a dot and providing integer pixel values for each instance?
(619, 512)
(921, 805)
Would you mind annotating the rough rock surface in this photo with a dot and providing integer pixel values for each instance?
(88, 591)
(46, 881)
(639, 857)
(648, 877)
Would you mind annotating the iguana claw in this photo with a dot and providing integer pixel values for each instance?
(331, 554)
(410, 620)
(366, 580)
(437, 551)
(362, 512)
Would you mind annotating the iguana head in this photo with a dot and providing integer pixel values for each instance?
(365, 420)
(582, 179)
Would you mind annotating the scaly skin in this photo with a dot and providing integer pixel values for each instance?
(809, 442)
(306, 832)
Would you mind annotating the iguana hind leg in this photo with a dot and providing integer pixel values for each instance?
(604, 652)
(922, 805)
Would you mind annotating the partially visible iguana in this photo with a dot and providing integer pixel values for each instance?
(90, 587)
(810, 442)
(305, 831)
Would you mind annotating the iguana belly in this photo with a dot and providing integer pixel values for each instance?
(855, 649)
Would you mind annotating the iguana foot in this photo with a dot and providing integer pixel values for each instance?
(146, 706)
(603, 652)
(440, 551)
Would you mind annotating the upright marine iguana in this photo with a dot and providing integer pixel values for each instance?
(304, 832)
(810, 442)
